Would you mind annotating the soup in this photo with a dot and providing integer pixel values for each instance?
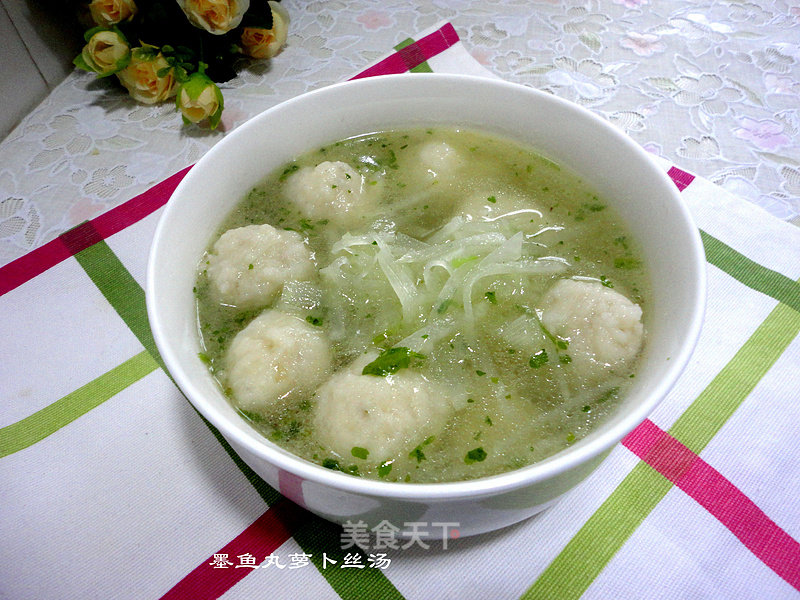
(423, 306)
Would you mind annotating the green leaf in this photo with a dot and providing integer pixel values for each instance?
(417, 453)
(391, 361)
(476, 455)
(359, 452)
(538, 359)
(331, 463)
(81, 64)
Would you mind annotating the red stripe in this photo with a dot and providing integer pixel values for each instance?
(709, 488)
(37, 261)
(48, 255)
(681, 178)
(414, 54)
(262, 538)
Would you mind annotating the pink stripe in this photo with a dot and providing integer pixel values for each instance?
(414, 54)
(681, 178)
(707, 486)
(291, 486)
(262, 538)
(40, 259)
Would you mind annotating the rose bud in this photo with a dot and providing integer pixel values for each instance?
(199, 98)
(258, 42)
(110, 12)
(215, 16)
(105, 53)
(149, 78)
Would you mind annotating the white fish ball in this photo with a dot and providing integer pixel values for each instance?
(248, 266)
(276, 356)
(603, 327)
(332, 191)
(386, 415)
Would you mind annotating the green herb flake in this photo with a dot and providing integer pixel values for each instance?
(480, 373)
(204, 357)
(476, 455)
(538, 359)
(488, 421)
(316, 321)
(331, 463)
(359, 452)
(417, 453)
(492, 199)
(391, 361)
(608, 394)
(626, 262)
(570, 437)
(381, 337)
(564, 359)
(385, 468)
(288, 171)
(250, 267)
(491, 297)
(606, 282)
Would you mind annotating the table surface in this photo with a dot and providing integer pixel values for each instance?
(111, 486)
(711, 86)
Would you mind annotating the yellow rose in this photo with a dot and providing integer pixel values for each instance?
(105, 53)
(258, 42)
(199, 98)
(111, 12)
(141, 77)
(215, 16)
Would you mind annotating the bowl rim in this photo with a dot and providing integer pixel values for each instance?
(581, 452)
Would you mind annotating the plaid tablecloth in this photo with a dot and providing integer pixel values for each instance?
(112, 486)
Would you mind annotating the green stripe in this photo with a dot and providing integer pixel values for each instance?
(716, 404)
(127, 297)
(60, 413)
(318, 537)
(422, 67)
(121, 290)
(588, 552)
(750, 273)
(595, 544)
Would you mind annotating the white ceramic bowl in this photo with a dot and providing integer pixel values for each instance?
(615, 166)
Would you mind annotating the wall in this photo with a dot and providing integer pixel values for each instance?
(39, 40)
